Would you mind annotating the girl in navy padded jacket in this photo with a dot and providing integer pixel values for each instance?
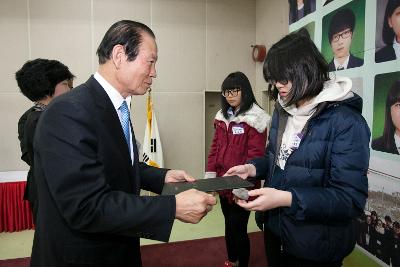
(315, 165)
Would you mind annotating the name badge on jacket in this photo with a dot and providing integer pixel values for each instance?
(296, 139)
(237, 130)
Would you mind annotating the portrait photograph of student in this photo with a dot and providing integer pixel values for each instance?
(340, 34)
(40, 80)
(316, 161)
(343, 32)
(388, 31)
(389, 139)
(298, 9)
(240, 134)
(87, 169)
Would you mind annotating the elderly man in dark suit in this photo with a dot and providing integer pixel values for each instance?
(88, 175)
(340, 35)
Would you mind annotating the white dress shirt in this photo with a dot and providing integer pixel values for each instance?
(396, 47)
(344, 65)
(397, 142)
(117, 99)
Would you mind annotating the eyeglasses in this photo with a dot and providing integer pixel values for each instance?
(346, 34)
(232, 92)
(273, 82)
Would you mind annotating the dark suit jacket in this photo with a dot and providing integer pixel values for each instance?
(21, 133)
(379, 145)
(385, 54)
(89, 209)
(27, 146)
(353, 63)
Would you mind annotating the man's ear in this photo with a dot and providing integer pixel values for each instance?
(390, 22)
(118, 55)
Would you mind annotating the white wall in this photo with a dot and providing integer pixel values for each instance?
(199, 41)
(271, 25)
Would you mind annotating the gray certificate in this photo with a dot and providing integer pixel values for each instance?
(207, 185)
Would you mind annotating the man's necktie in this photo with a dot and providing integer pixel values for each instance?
(125, 123)
(340, 67)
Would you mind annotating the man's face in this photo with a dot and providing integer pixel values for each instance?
(341, 43)
(61, 88)
(394, 23)
(136, 77)
(397, 230)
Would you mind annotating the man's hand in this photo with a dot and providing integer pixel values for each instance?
(192, 205)
(267, 198)
(243, 171)
(174, 176)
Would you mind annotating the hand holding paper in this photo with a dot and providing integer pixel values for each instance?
(243, 171)
(174, 176)
(267, 198)
(192, 205)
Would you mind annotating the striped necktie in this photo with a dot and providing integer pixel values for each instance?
(125, 122)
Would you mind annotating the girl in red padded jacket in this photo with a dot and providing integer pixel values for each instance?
(240, 135)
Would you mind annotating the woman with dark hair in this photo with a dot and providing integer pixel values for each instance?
(315, 165)
(390, 33)
(40, 80)
(396, 246)
(299, 9)
(240, 135)
(389, 142)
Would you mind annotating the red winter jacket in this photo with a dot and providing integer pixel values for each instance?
(236, 141)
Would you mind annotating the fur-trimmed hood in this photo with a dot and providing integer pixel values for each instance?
(255, 117)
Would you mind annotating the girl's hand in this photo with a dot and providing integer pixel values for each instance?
(266, 199)
(243, 171)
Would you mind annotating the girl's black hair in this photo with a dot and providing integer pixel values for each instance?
(389, 129)
(237, 80)
(340, 21)
(295, 58)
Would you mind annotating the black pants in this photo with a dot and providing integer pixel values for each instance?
(34, 208)
(236, 238)
(277, 258)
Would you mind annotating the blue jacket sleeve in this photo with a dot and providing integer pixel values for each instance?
(261, 165)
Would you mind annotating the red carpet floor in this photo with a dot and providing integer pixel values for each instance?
(206, 252)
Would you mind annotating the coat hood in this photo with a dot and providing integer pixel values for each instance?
(255, 117)
(335, 90)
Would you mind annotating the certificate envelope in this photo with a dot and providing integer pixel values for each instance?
(206, 185)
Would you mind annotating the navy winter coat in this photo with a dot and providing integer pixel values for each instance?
(327, 176)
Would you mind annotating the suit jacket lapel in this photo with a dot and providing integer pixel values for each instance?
(109, 115)
(135, 159)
